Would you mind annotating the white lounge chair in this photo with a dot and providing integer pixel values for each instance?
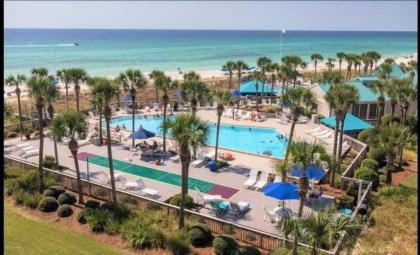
(227, 113)
(302, 120)
(155, 106)
(262, 181)
(252, 179)
(175, 158)
(30, 153)
(246, 116)
(137, 185)
(205, 198)
(277, 179)
(319, 133)
(22, 145)
(261, 118)
(317, 129)
(328, 134)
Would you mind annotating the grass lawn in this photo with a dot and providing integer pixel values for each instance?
(411, 181)
(29, 235)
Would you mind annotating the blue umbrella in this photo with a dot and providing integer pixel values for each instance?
(313, 172)
(235, 93)
(141, 134)
(178, 94)
(281, 190)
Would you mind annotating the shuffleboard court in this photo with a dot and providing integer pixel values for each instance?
(158, 175)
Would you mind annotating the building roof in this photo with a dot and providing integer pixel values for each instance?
(249, 88)
(396, 72)
(351, 123)
(366, 95)
(368, 78)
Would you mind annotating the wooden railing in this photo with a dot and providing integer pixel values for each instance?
(263, 240)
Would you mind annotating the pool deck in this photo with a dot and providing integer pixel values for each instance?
(233, 176)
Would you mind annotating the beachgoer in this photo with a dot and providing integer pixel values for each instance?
(117, 128)
(155, 145)
(123, 126)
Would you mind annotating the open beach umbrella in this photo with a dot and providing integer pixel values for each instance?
(142, 133)
(235, 93)
(313, 172)
(281, 190)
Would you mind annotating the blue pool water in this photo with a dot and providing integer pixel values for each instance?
(247, 139)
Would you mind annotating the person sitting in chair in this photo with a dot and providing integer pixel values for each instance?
(155, 145)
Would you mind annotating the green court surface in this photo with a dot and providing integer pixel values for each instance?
(151, 173)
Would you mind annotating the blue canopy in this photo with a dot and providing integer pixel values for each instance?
(351, 123)
(281, 190)
(235, 93)
(313, 172)
(263, 88)
(141, 134)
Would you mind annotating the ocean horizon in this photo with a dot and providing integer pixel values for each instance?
(110, 51)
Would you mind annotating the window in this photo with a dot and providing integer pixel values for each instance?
(355, 110)
(372, 111)
(363, 111)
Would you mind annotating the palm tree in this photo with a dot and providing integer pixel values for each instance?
(391, 90)
(391, 138)
(350, 61)
(340, 57)
(65, 77)
(375, 56)
(165, 84)
(132, 79)
(77, 76)
(384, 70)
(118, 84)
(258, 76)
(294, 62)
(153, 75)
(304, 154)
(357, 63)
(367, 61)
(230, 67)
(71, 124)
(39, 72)
(349, 97)
(331, 77)
(240, 66)
(407, 93)
(105, 91)
(274, 69)
(185, 129)
(51, 96)
(222, 98)
(330, 63)
(16, 81)
(281, 169)
(38, 87)
(379, 87)
(300, 99)
(194, 90)
(315, 58)
(323, 227)
(284, 73)
(98, 104)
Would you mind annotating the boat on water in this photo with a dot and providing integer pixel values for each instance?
(76, 44)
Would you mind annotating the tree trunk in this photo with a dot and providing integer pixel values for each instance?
(333, 170)
(340, 143)
(111, 165)
(295, 244)
(40, 105)
(51, 113)
(67, 96)
(258, 98)
(77, 91)
(339, 66)
(219, 116)
(292, 130)
(133, 102)
(393, 105)
(403, 120)
(165, 105)
(185, 161)
(73, 148)
(389, 166)
(157, 95)
(381, 103)
(101, 139)
(20, 112)
(315, 68)
(230, 80)
(194, 106)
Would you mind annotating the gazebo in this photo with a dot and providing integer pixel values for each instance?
(352, 124)
(248, 88)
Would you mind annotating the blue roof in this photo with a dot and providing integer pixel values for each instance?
(364, 92)
(363, 78)
(249, 88)
(396, 72)
(351, 123)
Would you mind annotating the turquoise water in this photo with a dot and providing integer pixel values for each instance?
(108, 52)
(248, 139)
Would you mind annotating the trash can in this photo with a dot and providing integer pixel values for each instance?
(212, 165)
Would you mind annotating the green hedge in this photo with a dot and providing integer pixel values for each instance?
(176, 200)
(370, 163)
(64, 211)
(49, 162)
(378, 154)
(178, 243)
(367, 174)
(224, 245)
(199, 235)
(48, 204)
(66, 198)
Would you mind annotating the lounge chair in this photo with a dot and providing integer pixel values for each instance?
(269, 215)
(199, 162)
(328, 134)
(261, 118)
(252, 178)
(22, 145)
(227, 113)
(277, 179)
(317, 129)
(30, 153)
(175, 158)
(240, 208)
(319, 132)
(206, 198)
(155, 107)
(139, 185)
(302, 120)
(246, 116)
(262, 181)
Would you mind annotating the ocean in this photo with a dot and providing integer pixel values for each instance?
(109, 51)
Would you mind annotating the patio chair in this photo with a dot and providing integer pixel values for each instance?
(328, 134)
(261, 118)
(269, 215)
(302, 120)
(30, 153)
(175, 158)
(155, 106)
(206, 198)
(22, 145)
(246, 116)
(252, 178)
(240, 208)
(227, 113)
(317, 129)
(26, 149)
(263, 180)
(322, 132)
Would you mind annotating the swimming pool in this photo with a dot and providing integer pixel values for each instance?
(242, 138)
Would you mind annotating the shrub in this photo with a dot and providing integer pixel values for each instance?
(32, 201)
(108, 206)
(178, 243)
(49, 162)
(112, 227)
(370, 163)
(369, 136)
(81, 217)
(50, 193)
(49, 181)
(378, 154)
(249, 250)
(13, 172)
(199, 235)
(29, 180)
(57, 189)
(345, 201)
(64, 211)
(98, 219)
(141, 235)
(93, 204)
(11, 186)
(176, 200)
(367, 174)
(19, 196)
(399, 191)
(66, 198)
(48, 204)
(12, 135)
(119, 212)
(224, 245)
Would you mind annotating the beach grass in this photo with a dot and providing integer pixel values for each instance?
(29, 235)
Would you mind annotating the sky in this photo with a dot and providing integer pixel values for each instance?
(247, 15)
